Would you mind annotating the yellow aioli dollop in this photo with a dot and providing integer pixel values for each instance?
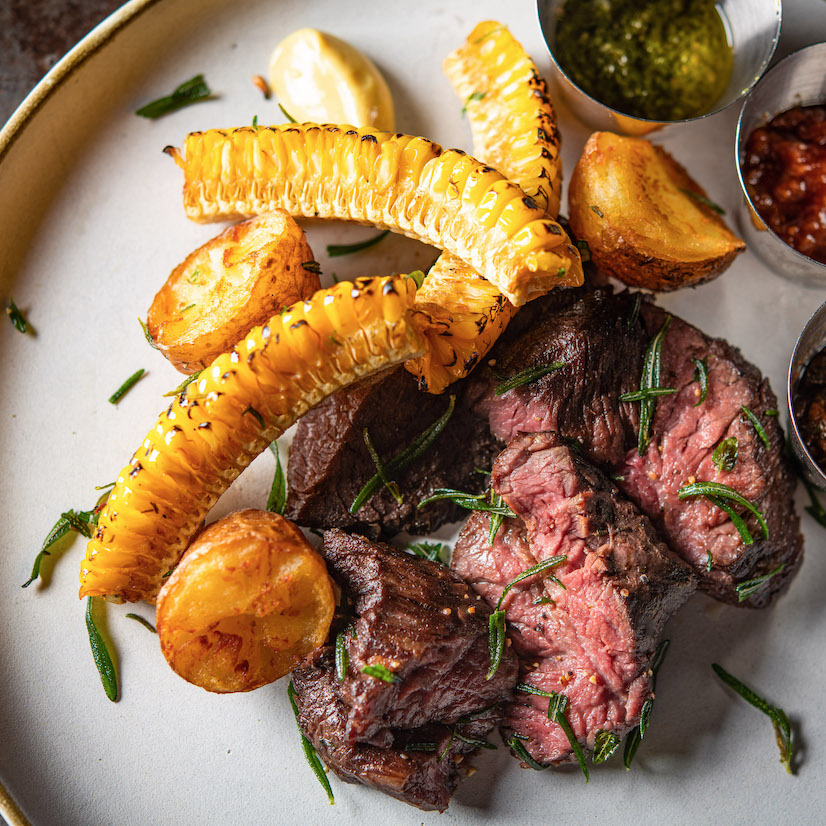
(322, 79)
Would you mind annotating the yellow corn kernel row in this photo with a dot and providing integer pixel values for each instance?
(398, 182)
(223, 420)
(514, 129)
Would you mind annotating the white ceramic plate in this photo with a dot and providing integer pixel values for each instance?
(91, 223)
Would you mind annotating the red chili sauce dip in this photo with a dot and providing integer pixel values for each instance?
(785, 172)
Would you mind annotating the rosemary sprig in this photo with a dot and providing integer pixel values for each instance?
(497, 517)
(779, 718)
(584, 251)
(746, 588)
(701, 376)
(468, 501)
(704, 201)
(434, 551)
(406, 457)
(531, 374)
(632, 741)
(635, 311)
(342, 658)
(559, 705)
(185, 383)
(645, 395)
(472, 741)
(473, 96)
(649, 382)
(539, 568)
(277, 500)
(100, 653)
(312, 266)
(309, 749)
(147, 335)
(718, 493)
(596, 210)
(191, 91)
(421, 747)
(757, 426)
(337, 250)
(286, 114)
(380, 470)
(709, 561)
(144, 622)
(127, 386)
(16, 317)
(605, 744)
(523, 754)
(255, 414)
(724, 456)
(380, 672)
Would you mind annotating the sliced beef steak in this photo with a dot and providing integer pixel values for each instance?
(426, 632)
(593, 639)
(602, 342)
(330, 463)
(421, 766)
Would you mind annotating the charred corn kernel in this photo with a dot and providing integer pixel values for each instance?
(511, 115)
(397, 182)
(514, 129)
(241, 402)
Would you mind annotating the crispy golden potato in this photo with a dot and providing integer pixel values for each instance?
(646, 221)
(248, 601)
(233, 283)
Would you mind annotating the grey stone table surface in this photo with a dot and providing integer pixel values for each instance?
(34, 35)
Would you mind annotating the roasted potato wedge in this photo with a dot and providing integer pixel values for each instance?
(646, 221)
(249, 599)
(231, 284)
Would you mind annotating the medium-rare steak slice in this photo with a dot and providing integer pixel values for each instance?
(593, 639)
(421, 633)
(421, 767)
(603, 344)
(330, 463)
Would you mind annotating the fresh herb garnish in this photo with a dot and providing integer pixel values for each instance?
(185, 383)
(255, 122)
(645, 395)
(473, 96)
(16, 317)
(391, 486)
(724, 456)
(497, 516)
(127, 386)
(309, 749)
(255, 414)
(144, 622)
(420, 747)
(524, 755)
(701, 376)
(584, 251)
(558, 707)
(704, 201)
(632, 742)
(492, 32)
(147, 335)
(418, 277)
(342, 658)
(635, 311)
(779, 718)
(596, 210)
(193, 277)
(709, 561)
(405, 457)
(277, 500)
(539, 568)
(337, 250)
(286, 114)
(380, 672)
(191, 91)
(560, 273)
(472, 741)
(528, 376)
(605, 744)
(100, 653)
(771, 412)
(746, 588)
(468, 501)
(717, 493)
(434, 551)
(645, 714)
(757, 426)
(649, 381)
(312, 266)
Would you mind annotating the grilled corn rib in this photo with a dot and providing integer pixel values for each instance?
(398, 182)
(244, 400)
(514, 129)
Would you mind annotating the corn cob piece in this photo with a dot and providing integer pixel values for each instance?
(514, 129)
(398, 182)
(244, 400)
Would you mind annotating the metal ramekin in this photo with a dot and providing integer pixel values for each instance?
(753, 28)
(812, 340)
(798, 80)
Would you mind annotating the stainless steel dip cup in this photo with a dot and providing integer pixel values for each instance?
(753, 28)
(798, 80)
(812, 340)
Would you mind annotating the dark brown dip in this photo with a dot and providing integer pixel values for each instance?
(785, 171)
(810, 407)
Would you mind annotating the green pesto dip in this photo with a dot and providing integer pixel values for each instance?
(655, 59)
